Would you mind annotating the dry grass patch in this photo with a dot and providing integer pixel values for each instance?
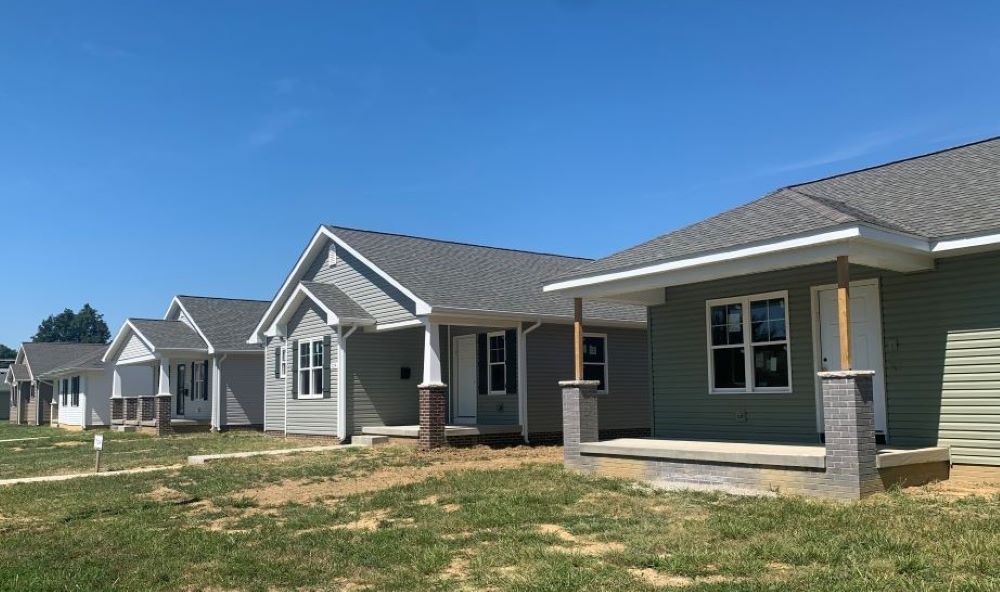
(574, 544)
(660, 579)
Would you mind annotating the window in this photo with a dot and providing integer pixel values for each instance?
(282, 361)
(199, 381)
(311, 368)
(595, 360)
(754, 324)
(497, 351)
(64, 391)
(75, 391)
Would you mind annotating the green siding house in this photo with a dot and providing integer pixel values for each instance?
(894, 269)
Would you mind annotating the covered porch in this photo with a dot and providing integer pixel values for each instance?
(755, 374)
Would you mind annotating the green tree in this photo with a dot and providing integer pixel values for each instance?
(6, 353)
(84, 326)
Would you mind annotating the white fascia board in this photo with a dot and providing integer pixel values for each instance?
(194, 324)
(896, 250)
(293, 303)
(395, 326)
(973, 243)
(119, 340)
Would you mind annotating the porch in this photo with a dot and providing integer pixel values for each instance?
(455, 435)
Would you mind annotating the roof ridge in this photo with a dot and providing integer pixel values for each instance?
(157, 320)
(460, 243)
(897, 161)
(222, 298)
(822, 207)
(852, 212)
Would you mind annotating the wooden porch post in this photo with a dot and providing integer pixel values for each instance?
(844, 311)
(578, 338)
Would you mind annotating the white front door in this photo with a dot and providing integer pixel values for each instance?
(466, 390)
(866, 339)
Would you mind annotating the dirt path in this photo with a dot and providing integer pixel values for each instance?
(444, 461)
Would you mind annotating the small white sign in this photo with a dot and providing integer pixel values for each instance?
(98, 441)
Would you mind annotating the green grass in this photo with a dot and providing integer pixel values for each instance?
(533, 528)
(62, 452)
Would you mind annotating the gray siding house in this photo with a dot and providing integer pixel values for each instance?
(881, 283)
(195, 367)
(5, 393)
(365, 318)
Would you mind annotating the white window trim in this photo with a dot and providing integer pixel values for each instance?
(607, 357)
(283, 361)
(747, 344)
(489, 364)
(310, 368)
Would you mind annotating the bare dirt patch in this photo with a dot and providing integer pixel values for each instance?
(366, 521)
(72, 444)
(434, 500)
(964, 481)
(660, 579)
(442, 462)
(574, 544)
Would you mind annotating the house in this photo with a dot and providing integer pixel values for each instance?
(31, 398)
(366, 320)
(832, 338)
(198, 369)
(5, 394)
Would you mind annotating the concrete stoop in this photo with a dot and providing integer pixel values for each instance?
(369, 441)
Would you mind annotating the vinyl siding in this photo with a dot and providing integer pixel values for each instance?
(942, 356)
(682, 405)
(313, 416)
(274, 389)
(377, 394)
(941, 342)
(550, 360)
(377, 296)
(242, 383)
(134, 348)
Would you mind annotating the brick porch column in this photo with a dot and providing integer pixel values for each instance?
(433, 415)
(54, 413)
(163, 414)
(849, 427)
(117, 410)
(579, 419)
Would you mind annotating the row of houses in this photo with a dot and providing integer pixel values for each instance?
(831, 338)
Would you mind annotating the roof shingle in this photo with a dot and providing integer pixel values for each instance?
(226, 322)
(169, 334)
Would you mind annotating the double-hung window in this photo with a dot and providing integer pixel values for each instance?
(75, 391)
(595, 360)
(311, 368)
(748, 344)
(497, 350)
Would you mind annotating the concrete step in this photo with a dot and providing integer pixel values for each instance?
(368, 441)
(124, 428)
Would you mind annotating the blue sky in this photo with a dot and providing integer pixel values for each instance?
(149, 149)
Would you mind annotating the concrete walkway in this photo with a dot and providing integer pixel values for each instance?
(201, 459)
(25, 439)
(49, 478)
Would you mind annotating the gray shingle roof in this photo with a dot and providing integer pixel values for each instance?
(943, 194)
(43, 357)
(19, 372)
(474, 277)
(88, 361)
(169, 334)
(337, 301)
(226, 322)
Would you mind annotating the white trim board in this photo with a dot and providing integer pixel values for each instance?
(194, 324)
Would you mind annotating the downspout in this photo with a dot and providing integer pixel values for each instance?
(342, 380)
(522, 387)
(284, 381)
(217, 391)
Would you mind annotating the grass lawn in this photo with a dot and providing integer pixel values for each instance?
(395, 519)
(60, 451)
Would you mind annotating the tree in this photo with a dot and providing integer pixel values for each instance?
(84, 326)
(6, 353)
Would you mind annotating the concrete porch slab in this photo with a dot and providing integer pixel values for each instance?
(781, 455)
(898, 457)
(411, 431)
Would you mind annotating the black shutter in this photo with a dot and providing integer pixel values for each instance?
(206, 381)
(294, 355)
(277, 362)
(327, 357)
(510, 355)
(482, 380)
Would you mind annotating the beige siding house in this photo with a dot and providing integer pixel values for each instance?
(365, 318)
(765, 321)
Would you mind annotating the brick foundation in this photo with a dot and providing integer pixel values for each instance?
(849, 432)
(433, 415)
(131, 410)
(117, 410)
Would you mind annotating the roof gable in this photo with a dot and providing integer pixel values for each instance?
(224, 323)
(41, 358)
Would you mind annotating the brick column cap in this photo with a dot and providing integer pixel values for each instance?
(160, 395)
(580, 383)
(432, 385)
(846, 373)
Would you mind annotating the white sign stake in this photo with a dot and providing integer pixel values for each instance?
(98, 447)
